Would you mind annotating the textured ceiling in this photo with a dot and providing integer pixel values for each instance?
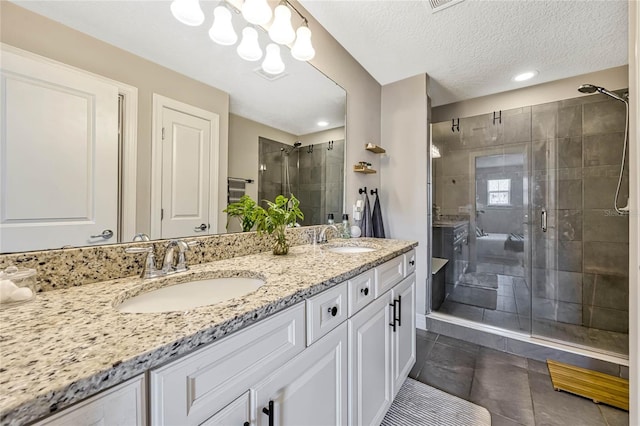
(293, 103)
(475, 47)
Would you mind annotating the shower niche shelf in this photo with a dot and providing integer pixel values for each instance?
(374, 148)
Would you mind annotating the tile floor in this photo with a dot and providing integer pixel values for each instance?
(516, 390)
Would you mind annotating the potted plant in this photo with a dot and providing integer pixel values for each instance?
(244, 211)
(281, 213)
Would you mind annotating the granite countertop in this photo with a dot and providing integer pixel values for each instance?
(69, 344)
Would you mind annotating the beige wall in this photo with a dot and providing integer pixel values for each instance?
(612, 79)
(243, 148)
(634, 219)
(404, 169)
(29, 31)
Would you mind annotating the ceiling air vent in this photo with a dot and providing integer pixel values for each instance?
(438, 5)
(269, 77)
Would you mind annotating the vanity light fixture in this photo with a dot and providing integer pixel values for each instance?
(525, 76)
(256, 13)
(222, 31)
(272, 63)
(188, 12)
(249, 48)
(323, 123)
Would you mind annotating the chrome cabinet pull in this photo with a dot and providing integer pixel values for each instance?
(543, 220)
(106, 234)
(201, 228)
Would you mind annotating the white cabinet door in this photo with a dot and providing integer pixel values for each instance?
(238, 413)
(309, 390)
(404, 337)
(370, 392)
(69, 190)
(122, 405)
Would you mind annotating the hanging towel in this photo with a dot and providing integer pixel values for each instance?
(366, 225)
(376, 219)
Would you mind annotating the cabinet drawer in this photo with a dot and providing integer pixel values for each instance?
(360, 291)
(237, 413)
(389, 274)
(325, 311)
(121, 405)
(190, 390)
(409, 263)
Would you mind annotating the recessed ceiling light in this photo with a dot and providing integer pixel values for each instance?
(323, 123)
(525, 76)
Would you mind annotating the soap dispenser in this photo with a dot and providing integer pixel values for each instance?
(346, 227)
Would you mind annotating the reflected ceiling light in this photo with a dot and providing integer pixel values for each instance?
(272, 63)
(302, 49)
(525, 76)
(435, 152)
(249, 49)
(188, 12)
(222, 31)
(281, 30)
(323, 123)
(256, 12)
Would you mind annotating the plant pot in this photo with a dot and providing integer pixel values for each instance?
(282, 245)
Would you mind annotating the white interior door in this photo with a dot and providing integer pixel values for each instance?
(186, 174)
(67, 193)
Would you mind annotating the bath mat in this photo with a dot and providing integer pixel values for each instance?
(599, 387)
(420, 404)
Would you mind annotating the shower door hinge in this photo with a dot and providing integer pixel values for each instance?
(497, 117)
(163, 133)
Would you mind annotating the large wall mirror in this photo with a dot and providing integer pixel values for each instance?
(268, 134)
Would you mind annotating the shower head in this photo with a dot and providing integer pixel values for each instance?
(590, 88)
(295, 146)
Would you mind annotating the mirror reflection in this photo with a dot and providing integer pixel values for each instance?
(211, 105)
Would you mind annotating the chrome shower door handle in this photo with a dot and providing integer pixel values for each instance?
(106, 234)
(543, 220)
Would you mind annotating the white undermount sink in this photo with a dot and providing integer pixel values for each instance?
(350, 249)
(189, 295)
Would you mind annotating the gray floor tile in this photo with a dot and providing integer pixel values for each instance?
(451, 357)
(426, 334)
(455, 382)
(490, 267)
(461, 344)
(560, 408)
(614, 416)
(498, 420)
(501, 319)
(537, 366)
(507, 303)
(503, 389)
(490, 357)
(423, 347)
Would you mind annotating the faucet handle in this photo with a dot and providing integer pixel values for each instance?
(138, 250)
(149, 270)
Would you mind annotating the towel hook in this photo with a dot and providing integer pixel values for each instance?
(362, 190)
(374, 191)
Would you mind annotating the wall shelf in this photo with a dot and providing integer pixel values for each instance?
(359, 169)
(374, 148)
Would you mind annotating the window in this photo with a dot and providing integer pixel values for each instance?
(499, 191)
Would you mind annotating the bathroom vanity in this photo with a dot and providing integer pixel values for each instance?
(329, 336)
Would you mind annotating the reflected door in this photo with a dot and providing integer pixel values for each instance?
(186, 174)
(58, 156)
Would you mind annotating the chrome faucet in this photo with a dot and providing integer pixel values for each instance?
(181, 265)
(322, 238)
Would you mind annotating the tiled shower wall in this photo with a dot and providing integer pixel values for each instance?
(316, 175)
(580, 265)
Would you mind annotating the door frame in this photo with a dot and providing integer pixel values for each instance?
(129, 137)
(159, 103)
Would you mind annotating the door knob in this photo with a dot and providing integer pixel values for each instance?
(106, 234)
(203, 227)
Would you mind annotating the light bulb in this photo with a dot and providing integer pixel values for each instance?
(281, 30)
(302, 49)
(222, 31)
(188, 12)
(272, 63)
(249, 49)
(256, 12)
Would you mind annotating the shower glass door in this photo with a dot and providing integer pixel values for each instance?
(580, 244)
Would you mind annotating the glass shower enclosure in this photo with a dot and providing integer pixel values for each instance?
(546, 253)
